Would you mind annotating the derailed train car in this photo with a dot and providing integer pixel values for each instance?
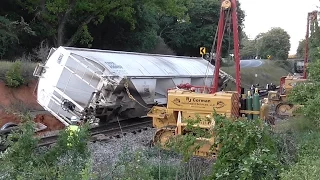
(101, 85)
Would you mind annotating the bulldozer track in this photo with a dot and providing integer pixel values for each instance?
(108, 131)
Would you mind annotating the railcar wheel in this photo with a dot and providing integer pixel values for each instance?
(8, 125)
(5, 130)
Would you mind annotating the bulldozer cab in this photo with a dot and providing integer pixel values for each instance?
(273, 95)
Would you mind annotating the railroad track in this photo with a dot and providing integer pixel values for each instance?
(108, 131)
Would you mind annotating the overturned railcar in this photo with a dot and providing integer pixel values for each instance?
(103, 85)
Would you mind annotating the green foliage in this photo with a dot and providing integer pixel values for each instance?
(134, 166)
(306, 94)
(301, 49)
(143, 38)
(284, 64)
(249, 49)
(186, 36)
(70, 21)
(248, 150)
(129, 25)
(310, 110)
(10, 32)
(275, 42)
(308, 165)
(153, 163)
(19, 156)
(314, 71)
(57, 15)
(303, 92)
(23, 160)
(187, 144)
(14, 75)
(314, 42)
(27, 69)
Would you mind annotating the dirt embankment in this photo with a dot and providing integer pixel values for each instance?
(24, 99)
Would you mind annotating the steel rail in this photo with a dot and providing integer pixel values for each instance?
(109, 130)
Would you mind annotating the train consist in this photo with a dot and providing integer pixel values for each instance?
(104, 86)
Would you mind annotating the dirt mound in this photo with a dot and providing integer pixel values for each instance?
(50, 121)
(23, 99)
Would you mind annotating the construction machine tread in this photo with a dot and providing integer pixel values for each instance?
(163, 134)
(284, 109)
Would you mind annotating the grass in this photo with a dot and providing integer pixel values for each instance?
(27, 68)
(308, 163)
(307, 145)
(269, 72)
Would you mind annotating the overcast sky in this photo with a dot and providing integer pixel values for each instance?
(291, 15)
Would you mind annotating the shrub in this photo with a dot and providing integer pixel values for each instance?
(14, 75)
(306, 94)
(248, 150)
(308, 165)
(23, 160)
(154, 164)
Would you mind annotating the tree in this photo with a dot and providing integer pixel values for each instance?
(248, 48)
(185, 36)
(276, 43)
(314, 42)
(67, 21)
(301, 49)
(143, 37)
(258, 43)
(10, 32)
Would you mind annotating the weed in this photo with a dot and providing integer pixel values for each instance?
(26, 69)
(22, 160)
(248, 150)
(308, 165)
(13, 76)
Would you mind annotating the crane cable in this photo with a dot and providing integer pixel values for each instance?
(212, 49)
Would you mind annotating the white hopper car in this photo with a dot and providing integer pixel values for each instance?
(91, 84)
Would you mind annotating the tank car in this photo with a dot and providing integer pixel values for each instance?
(103, 85)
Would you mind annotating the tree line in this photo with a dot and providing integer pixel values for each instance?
(314, 42)
(274, 44)
(177, 27)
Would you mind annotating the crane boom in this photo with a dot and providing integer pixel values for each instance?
(227, 6)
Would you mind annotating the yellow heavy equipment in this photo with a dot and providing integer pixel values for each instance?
(287, 83)
(185, 104)
(279, 98)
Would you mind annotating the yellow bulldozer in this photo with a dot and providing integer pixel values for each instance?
(279, 98)
(185, 104)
